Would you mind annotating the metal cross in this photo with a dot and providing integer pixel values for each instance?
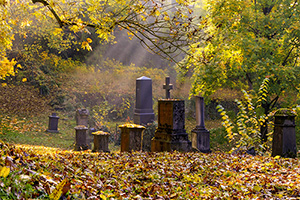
(167, 86)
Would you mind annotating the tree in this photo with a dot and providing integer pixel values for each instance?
(246, 42)
(163, 27)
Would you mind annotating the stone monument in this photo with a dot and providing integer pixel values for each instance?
(131, 137)
(53, 123)
(101, 140)
(170, 134)
(82, 117)
(143, 112)
(284, 136)
(200, 135)
(81, 142)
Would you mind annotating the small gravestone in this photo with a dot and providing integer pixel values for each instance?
(101, 140)
(53, 123)
(131, 137)
(170, 134)
(284, 136)
(82, 117)
(143, 112)
(81, 142)
(200, 135)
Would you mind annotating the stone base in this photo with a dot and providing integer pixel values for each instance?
(170, 140)
(201, 140)
(143, 118)
(52, 131)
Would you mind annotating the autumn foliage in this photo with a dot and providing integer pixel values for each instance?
(45, 172)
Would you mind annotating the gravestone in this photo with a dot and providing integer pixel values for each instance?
(82, 117)
(53, 123)
(170, 134)
(143, 112)
(167, 86)
(101, 140)
(131, 137)
(284, 136)
(81, 142)
(200, 135)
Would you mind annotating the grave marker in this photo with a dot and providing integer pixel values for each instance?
(101, 140)
(200, 135)
(143, 112)
(284, 136)
(170, 134)
(82, 117)
(53, 123)
(131, 137)
(81, 142)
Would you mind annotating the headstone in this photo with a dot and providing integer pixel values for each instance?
(131, 137)
(101, 140)
(284, 136)
(170, 134)
(53, 123)
(81, 142)
(167, 86)
(200, 135)
(143, 112)
(82, 117)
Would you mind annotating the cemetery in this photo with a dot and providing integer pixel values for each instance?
(149, 100)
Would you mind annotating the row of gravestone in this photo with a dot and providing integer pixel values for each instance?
(170, 134)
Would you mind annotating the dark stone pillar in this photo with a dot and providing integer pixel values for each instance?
(200, 135)
(143, 112)
(284, 136)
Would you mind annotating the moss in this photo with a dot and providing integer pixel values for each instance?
(131, 126)
(100, 133)
(285, 112)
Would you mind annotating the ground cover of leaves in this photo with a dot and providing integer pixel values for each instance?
(47, 173)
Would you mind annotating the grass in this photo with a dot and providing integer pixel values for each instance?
(18, 130)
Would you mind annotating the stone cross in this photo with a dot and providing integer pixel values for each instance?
(167, 86)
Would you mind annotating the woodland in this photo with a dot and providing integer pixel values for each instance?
(58, 56)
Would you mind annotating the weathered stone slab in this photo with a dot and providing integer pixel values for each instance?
(82, 117)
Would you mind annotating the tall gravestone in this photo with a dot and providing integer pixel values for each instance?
(143, 112)
(284, 136)
(170, 134)
(200, 135)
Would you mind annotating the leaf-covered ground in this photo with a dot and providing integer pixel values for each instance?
(40, 172)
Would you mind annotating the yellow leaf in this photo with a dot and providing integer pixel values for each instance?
(24, 79)
(57, 192)
(102, 197)
(4, 171)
